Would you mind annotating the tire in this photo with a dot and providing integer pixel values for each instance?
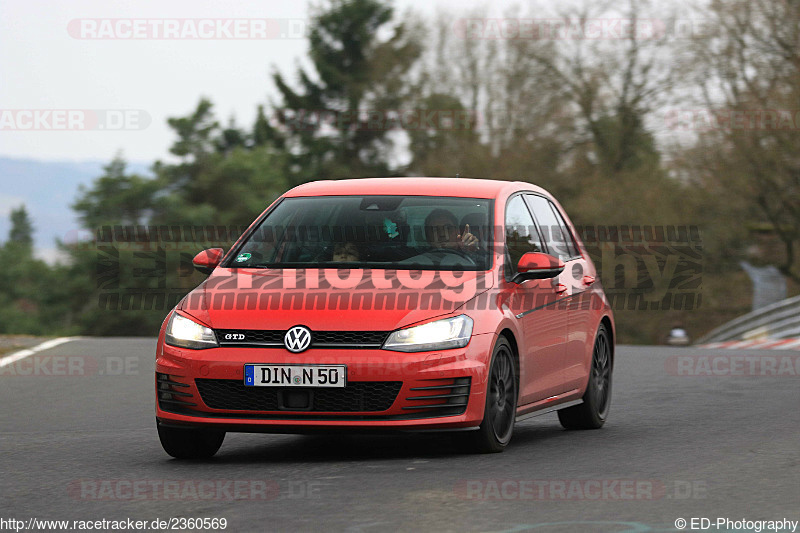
(500, 411)
(190, 443)
(592, 413)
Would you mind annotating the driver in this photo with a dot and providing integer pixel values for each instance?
(441, 231)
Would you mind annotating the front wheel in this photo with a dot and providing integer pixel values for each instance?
(495, 431)
(190, 443)
(592, 413)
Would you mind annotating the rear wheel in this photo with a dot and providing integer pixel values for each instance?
(190, 443)
(500, 412)
(592, 413)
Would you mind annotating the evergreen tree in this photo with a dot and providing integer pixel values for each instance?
(356, 75)
(21, 233)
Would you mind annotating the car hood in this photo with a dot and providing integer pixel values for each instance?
(330, 299)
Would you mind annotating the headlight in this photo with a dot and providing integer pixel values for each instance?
(439, 335)
(186, 333)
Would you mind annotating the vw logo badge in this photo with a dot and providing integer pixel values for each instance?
(297, 339)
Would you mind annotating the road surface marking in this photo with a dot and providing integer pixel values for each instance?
(22, 354)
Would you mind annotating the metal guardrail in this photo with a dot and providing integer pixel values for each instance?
(775, 321)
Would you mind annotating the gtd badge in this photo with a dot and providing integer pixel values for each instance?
(297, 339)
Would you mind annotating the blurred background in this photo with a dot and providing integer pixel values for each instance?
(680, 119)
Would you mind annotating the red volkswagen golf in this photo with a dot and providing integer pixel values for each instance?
(389, 304)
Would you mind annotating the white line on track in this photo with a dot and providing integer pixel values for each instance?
(22, 354)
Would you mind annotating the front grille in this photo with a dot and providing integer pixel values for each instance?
(357, 396)
(273, 338)
(348, 337)
(445, 397)
(267, 336)
(172, 393)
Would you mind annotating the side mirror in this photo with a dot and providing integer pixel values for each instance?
(536, 265)
(207, 260)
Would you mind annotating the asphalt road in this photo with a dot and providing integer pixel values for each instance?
(84, 447)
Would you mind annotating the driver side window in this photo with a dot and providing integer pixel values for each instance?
(521, 233)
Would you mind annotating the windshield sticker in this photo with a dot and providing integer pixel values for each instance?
(391, 228)
(241, 258)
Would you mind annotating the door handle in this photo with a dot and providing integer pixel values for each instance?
(588, 280)
(560, 288)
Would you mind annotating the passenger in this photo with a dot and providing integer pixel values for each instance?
(441, 231)
(345, 252)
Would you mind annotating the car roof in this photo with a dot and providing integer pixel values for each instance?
(456, 187)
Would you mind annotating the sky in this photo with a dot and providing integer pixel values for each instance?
(74, 87)
(92, 96)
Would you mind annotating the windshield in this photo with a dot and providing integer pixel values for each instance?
(400, 232)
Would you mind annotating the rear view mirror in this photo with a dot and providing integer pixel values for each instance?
(537, 265)
(207, 260)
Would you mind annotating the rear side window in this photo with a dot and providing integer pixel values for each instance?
(554, 229)
(570, 241)
(521, 233)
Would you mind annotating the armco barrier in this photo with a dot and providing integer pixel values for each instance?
(775, 321)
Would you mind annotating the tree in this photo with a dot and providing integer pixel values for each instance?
(221, 179)
(264, 134)
(357, 76)
(447, 148)
(21, 234)
(612, 84)
(513, 122)
(749, 76)
(31, 300)
(224, 175)
(116, 198)
(568, 114)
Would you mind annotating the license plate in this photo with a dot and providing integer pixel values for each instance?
(295, 375)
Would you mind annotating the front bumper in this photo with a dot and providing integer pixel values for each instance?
(429, 389)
